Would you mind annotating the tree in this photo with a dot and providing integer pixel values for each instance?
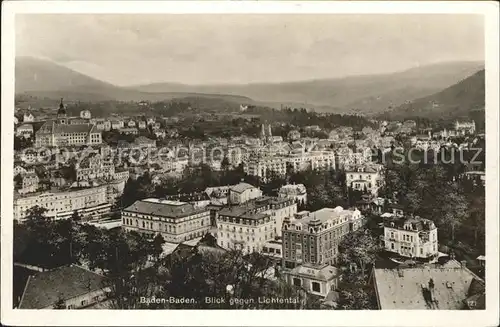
(361, 248)
(76, 216)
(157, 246)
(60, 303)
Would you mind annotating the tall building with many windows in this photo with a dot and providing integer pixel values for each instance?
(313, 237)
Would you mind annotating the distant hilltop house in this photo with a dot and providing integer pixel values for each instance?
(68, 287)
(412, 237)
(243, 107)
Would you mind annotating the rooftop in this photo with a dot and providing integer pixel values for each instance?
(426, 287)
(165, 208)
(241, 187)
(45, 288)
(412, 223)
(325, 272)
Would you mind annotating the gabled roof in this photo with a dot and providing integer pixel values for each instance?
(44, 289)
(241, 187)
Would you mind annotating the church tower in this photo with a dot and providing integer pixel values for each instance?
(62, 110)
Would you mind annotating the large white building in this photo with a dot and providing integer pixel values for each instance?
(412, 237)
(53, 133)
(88, 202)
(365, 178)
(176, 221)
(25, 130)
(463, 128)
(243, 192)
(316, 160)
(247, 227)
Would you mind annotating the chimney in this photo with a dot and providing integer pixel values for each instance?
(463, 263)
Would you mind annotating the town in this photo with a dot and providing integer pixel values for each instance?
(165, 205)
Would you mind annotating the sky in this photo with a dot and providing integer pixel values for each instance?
(136, 49)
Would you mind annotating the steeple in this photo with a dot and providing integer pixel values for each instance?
(62, 111)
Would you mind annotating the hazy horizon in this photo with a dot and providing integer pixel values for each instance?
(128, 50)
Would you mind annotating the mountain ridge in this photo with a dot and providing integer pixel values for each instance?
(363, 94)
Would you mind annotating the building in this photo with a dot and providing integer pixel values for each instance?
(428, 287)
(71, 287)
(117, 124)
(28, 117)
(144, 141)
(129, 131)
(465, 128)
(318, 280)
(243, 192)
(85, 114)
(141, 124)
(90, 203)
(412, 237)
(25, 130)
(29, 183)
(54, 133)
(293, 135)
(296, 192)
(364, 178)
(248, 226)
(93, 167)
(263, 167)
(313, 238)
(176, 221)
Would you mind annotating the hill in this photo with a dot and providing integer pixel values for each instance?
(367, 95)
(461, 100)
(370, 94)
(47, 80)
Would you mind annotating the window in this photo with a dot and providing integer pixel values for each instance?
(84, 303)
(316, 287)
(297, 282)
(392, 246)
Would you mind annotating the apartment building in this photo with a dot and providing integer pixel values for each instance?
(90, 203)
(262, 167)
(313, 237)
(176, 221)
(247, 227)
(412, 237)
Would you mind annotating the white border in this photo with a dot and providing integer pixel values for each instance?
(489, 317)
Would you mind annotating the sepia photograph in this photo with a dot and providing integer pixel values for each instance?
(322, 161)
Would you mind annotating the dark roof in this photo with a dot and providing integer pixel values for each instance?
(45, 288)
(164, 208)
(417, 223)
